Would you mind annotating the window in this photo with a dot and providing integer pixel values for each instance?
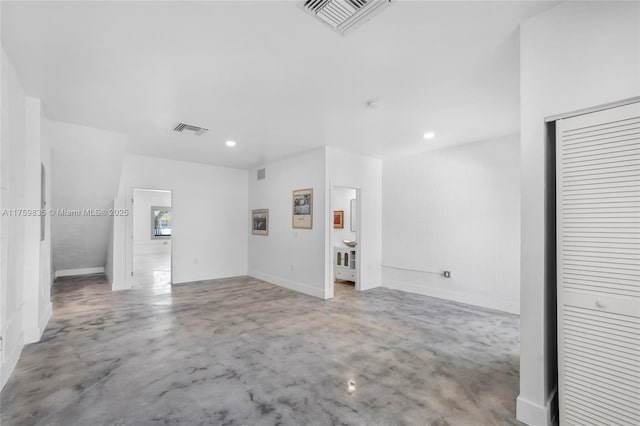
(160, 222)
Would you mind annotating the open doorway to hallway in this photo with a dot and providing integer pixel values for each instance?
(152, 218)
(344, 238)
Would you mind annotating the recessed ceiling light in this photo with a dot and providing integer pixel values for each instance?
(230, 143)
(429, 135)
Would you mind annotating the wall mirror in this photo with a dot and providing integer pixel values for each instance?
(353, 216)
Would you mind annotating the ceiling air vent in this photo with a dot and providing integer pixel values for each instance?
(343, 15)
(188, 128)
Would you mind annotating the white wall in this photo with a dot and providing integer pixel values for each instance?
(455, 209)
(37, 255)
(25, 305)
(12, 228)
(31, 274)
(292, 258)
(142, 241)
(45, 308)
(210, 218)
(342, 201)
(576, 55)
(365, 174)
(85, 174)
(108, 262)
(115, 267)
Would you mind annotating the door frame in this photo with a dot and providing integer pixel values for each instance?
(329, 290)
(129, 234)
(552, 302)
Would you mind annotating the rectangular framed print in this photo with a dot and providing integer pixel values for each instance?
(260, 222)
(303, 208)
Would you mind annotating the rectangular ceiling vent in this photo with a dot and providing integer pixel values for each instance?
(188, 128)
(343, 15)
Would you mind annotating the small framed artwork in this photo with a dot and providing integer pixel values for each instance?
(303, 208)
(338, 219)
(260, 222)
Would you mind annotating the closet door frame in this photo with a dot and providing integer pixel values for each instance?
(578, 299)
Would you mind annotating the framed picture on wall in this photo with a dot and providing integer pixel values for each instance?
(260, 222)
(303, 208)
(338, 219)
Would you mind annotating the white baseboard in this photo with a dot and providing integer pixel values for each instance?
(33, 335)
(10, 361)
(48, 311)
(533, 414)
(291, 285)
(471, 299)
(82, 271)
(115, 286)
(367, 286)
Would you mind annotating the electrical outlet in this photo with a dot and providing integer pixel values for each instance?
(446, 274)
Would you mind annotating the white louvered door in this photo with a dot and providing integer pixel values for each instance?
(598, 245)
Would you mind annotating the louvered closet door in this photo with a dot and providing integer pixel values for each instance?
(598, 240)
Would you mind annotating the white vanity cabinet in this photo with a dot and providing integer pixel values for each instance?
(344, 263)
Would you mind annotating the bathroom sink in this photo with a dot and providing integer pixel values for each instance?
(350, 243)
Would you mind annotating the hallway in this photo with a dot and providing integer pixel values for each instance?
(152, 271)
(242, 351)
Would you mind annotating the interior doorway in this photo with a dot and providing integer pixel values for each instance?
(152, 233)
(344, 241)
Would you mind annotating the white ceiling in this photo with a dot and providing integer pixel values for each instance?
(271, 77)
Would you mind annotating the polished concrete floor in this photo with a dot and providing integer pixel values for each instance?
(152, 271)
(243, 352)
